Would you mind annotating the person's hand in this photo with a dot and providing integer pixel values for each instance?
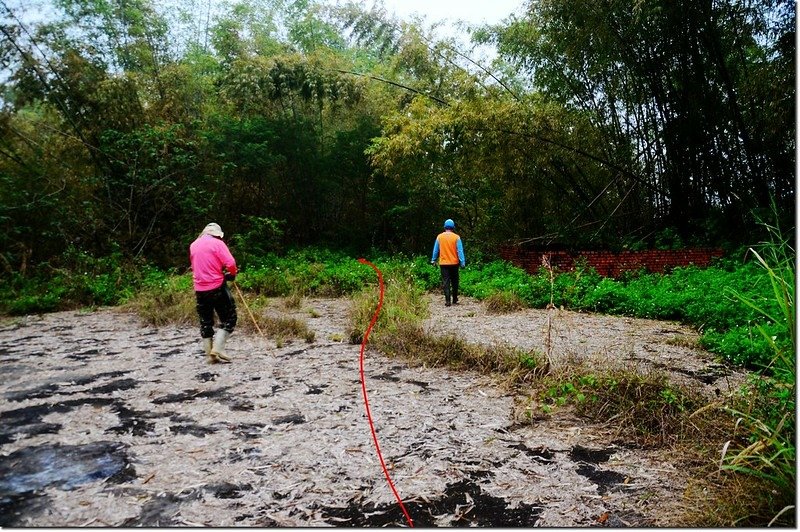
(230, 277)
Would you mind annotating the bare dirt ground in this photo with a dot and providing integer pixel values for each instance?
(109, 422)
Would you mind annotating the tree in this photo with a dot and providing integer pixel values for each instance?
(672, 77)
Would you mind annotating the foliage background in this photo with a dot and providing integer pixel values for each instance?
(126, 126)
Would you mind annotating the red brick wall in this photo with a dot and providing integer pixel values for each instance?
(610, 263)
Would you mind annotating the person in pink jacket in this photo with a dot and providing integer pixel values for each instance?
(212, 265)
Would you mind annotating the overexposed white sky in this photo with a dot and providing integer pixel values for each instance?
(473, 11)
(450, 11)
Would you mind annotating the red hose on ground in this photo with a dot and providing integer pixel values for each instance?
(364, 389)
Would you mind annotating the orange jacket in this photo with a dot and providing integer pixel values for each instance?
(448, 249)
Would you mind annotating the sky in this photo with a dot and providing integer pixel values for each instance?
(474, 11)
(450, 11)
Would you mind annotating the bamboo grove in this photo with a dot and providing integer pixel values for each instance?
(126, 125)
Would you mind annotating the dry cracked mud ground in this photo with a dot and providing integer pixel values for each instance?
(106, 421)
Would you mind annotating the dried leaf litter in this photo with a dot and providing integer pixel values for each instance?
(109, 422)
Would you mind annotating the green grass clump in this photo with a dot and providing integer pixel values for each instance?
(398, 332)
(164, 299)
(404, 304)
(503, 302)
(644, 407)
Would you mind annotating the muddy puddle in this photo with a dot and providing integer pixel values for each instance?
(109, 422)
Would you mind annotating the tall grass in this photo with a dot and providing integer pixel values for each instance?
(399, 332)
(164, 299)
(404, 305)
(767, 416)
(643, 407)
(169, 299)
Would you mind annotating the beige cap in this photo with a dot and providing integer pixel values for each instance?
(213, 229)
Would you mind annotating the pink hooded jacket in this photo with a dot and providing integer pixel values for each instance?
(208, 256)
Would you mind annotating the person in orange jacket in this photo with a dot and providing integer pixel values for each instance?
(450, 252)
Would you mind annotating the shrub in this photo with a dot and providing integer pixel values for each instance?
(72, 280)
(310, 271)
(497, 276)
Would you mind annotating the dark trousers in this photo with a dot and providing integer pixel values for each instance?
(219, 300)
(450, 280)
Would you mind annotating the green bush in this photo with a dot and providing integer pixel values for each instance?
(711, 299)
(308, 271)
(744, 346)
(29, 303)
(498, 276)
(608, 296)
(74, 279)
(268, 282)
